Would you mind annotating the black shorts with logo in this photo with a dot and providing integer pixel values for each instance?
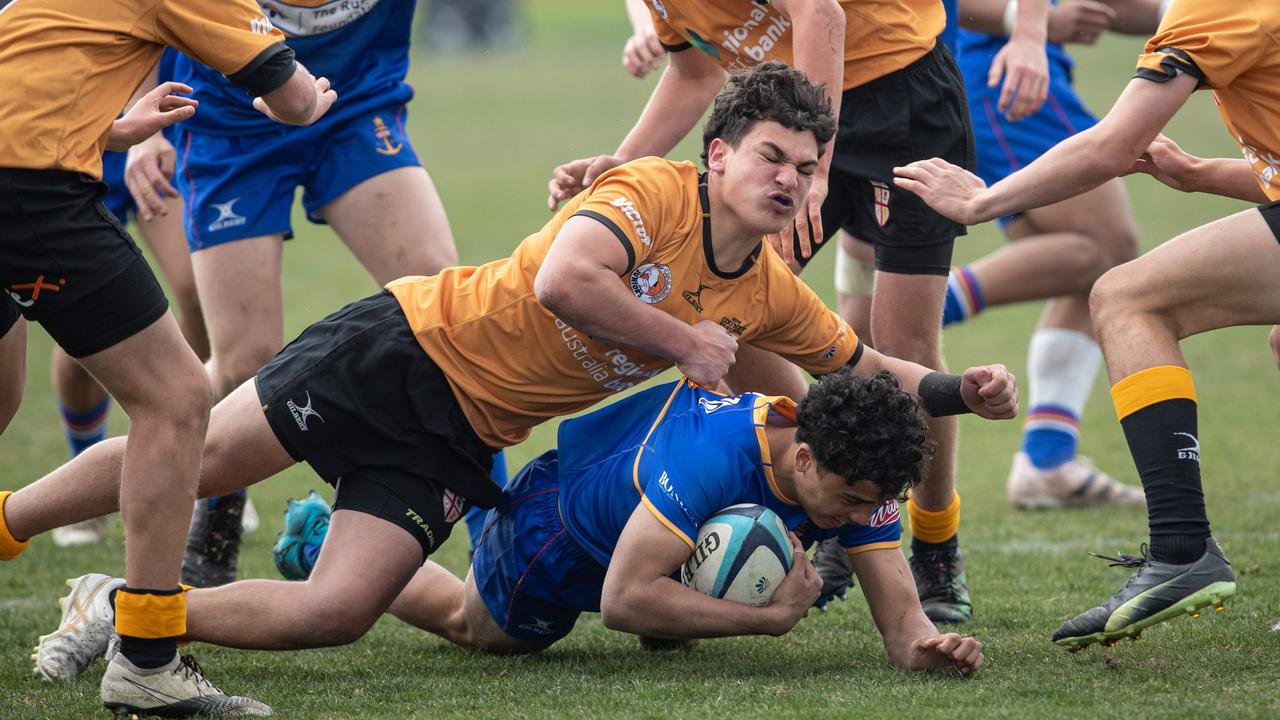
(356, 397)
(67, 263)
(1271, 213)
(916, 113)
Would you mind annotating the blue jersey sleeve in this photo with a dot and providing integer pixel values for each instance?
(884, 530)
(682, 495)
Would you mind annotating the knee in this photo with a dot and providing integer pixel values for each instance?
(1115, 295)
(241, 362)
(335, 621)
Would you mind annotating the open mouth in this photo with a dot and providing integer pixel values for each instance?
(782, 201)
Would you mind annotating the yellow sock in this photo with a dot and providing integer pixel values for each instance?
(935, 526)
(10, 548)
(148, 616)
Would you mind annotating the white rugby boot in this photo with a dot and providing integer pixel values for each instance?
(178, 689)
(1075, 483)
(88, 622)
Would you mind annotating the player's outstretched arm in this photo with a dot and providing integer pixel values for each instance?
(682, 95)
(1076, 165)
(640, 596)
(910, 640)
(301, 100)
(154, 111)
(989, 391)
(578, 282)
(1229, 177)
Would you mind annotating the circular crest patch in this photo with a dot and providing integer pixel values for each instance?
(651, 282)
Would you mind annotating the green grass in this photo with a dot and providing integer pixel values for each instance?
(489, 129)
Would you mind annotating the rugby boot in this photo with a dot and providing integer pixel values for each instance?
(306, 522)
(1075, 483)
(213, 542)
(835, 568)
(942, 586)
(1156, 592)
(85, 532)
(178, 689)
(87, 624)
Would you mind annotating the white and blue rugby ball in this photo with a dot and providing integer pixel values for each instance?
(742, 554)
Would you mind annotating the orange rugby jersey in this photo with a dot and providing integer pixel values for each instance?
(513, 364)
(68, 67)
(880, 36)
(1233, 47)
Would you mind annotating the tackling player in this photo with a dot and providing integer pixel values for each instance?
(68, 68)
(239, 175)
(400, 399)
(1219, 275)
(898, 94)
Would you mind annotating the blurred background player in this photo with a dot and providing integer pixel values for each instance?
(68, 263)
(239, 174)
(1218, 275)
(82, 402)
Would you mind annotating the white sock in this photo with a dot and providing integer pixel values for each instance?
(1062, 365)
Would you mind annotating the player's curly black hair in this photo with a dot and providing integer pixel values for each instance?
(769, 91)
(866, 429)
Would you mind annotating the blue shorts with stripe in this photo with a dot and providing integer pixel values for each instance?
(1004, 147)
(534, 579)
(242, 186)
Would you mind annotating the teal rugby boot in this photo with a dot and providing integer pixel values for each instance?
(1156, 592)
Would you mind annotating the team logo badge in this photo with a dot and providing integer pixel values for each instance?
(35, 288)
(227, 216)
(660, 9)
(695, 298)
(1191, 452)
(651, 282)
(881, 201)
(302, 412)
(733, 326)
(383, 134)
(454, 506)
(887, 513)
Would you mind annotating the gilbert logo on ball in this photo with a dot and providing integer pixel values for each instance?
(742, 553)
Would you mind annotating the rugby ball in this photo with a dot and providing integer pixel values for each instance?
(742, 554)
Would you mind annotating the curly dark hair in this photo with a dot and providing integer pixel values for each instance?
(774, 92)
(866, 429)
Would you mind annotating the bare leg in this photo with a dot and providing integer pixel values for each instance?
(167, 239)
(1219, 275)
(239, 284)
(395, 225)
(438, 602)
(13, 371)
(855, 306)
(363, 566)
(240, 450)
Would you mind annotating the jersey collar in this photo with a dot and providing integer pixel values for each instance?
(707, 249)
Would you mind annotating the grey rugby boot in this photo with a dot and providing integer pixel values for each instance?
(178, 689)
(1156, 592)
(942, 586)
(213, 542)
(835, 568)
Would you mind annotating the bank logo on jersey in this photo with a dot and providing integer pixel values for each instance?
(881, 201)
(299, 18)
(699, 42)
(383, 134)
(260, 26)
(651, 282)
(628, 209)
(740, 40)
(886, 514)
(227, 216)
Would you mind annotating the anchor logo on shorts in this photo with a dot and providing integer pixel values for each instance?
(383, 133)
(302, 412)
(35, 288)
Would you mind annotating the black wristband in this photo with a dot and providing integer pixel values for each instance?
(940, 395)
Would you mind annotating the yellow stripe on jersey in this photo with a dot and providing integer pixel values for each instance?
(663, 519)
(1148, 387)
(635, 466)
(785, 407)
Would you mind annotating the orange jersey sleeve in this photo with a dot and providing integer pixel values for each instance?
(798, 325)
(1214, 42)
(667, 35)
(227, 35)
(639, 202)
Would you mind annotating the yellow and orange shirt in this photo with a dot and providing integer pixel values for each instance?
(1233, 48)
(68, 67)
(513, 364)
(880, 36)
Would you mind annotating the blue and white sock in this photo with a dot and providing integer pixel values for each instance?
(1062, 365)
(964, 296)
(84, 429)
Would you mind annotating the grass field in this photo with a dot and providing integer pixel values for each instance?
(489, 128)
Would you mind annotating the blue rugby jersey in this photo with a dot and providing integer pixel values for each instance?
(686, 453)
(361, 46)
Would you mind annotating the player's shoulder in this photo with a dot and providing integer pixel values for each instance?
(655, 171)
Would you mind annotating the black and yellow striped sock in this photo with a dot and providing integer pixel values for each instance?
(1157, 409)
(149, 623)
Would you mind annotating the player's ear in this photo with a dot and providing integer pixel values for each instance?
(804, 457)
(717, 152)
